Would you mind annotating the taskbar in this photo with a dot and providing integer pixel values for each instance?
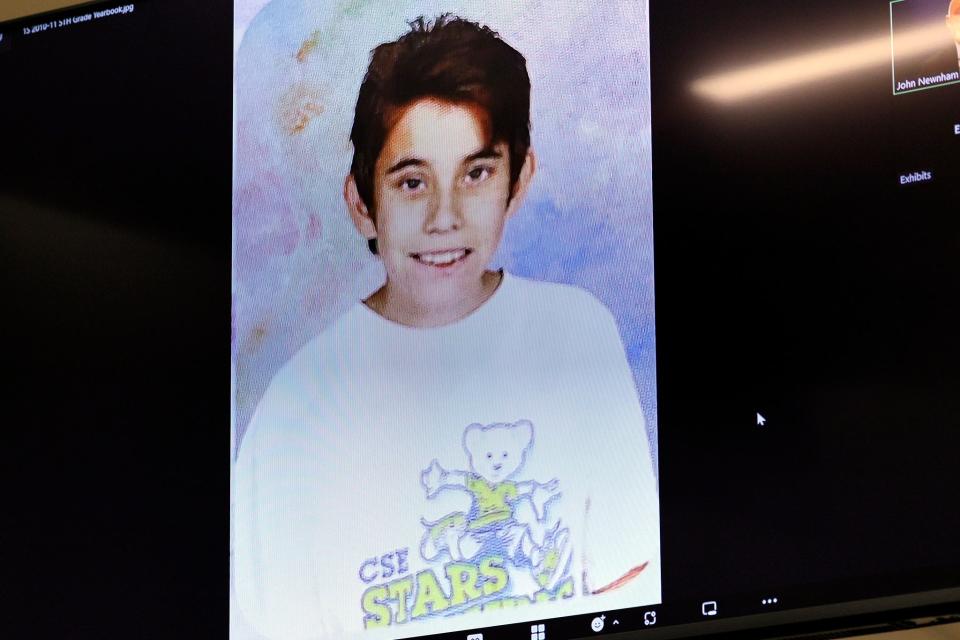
(753, 616)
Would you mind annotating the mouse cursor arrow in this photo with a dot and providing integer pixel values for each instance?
(761, 420)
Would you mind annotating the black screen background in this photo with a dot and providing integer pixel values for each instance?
(115, 179)
(795, 277)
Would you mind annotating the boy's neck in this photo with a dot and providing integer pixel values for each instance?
(395, 305)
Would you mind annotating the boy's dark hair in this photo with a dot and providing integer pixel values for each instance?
(450, 59)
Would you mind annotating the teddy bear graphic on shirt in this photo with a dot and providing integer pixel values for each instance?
(509, 548)
(508, 516)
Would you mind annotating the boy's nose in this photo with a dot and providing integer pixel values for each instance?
(444, 215)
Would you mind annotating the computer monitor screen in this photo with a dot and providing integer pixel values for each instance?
(485, 320)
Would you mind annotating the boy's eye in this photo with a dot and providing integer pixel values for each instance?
(489, 455)
(504, 454)
(478, 174)
(411, 184)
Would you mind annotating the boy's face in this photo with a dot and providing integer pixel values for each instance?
(441, 198)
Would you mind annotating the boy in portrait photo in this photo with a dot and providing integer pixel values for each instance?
(464, 447)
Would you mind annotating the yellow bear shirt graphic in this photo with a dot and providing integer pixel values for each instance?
(493, 500)
(480, 557)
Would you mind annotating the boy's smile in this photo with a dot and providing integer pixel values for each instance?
(442, 259)
(442, 198)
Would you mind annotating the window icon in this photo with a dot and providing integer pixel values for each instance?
(538, 632)
(709, 608)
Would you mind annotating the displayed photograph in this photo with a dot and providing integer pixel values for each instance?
(443, 365)
(937, 63)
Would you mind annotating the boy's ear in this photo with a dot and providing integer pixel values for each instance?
(523, 182)
(359, 213)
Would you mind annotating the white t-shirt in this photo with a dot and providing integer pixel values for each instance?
(398, 482)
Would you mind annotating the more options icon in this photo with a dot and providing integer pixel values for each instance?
(709, 608)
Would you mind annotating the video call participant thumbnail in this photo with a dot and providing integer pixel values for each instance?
(464, 441)
(953, 24)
